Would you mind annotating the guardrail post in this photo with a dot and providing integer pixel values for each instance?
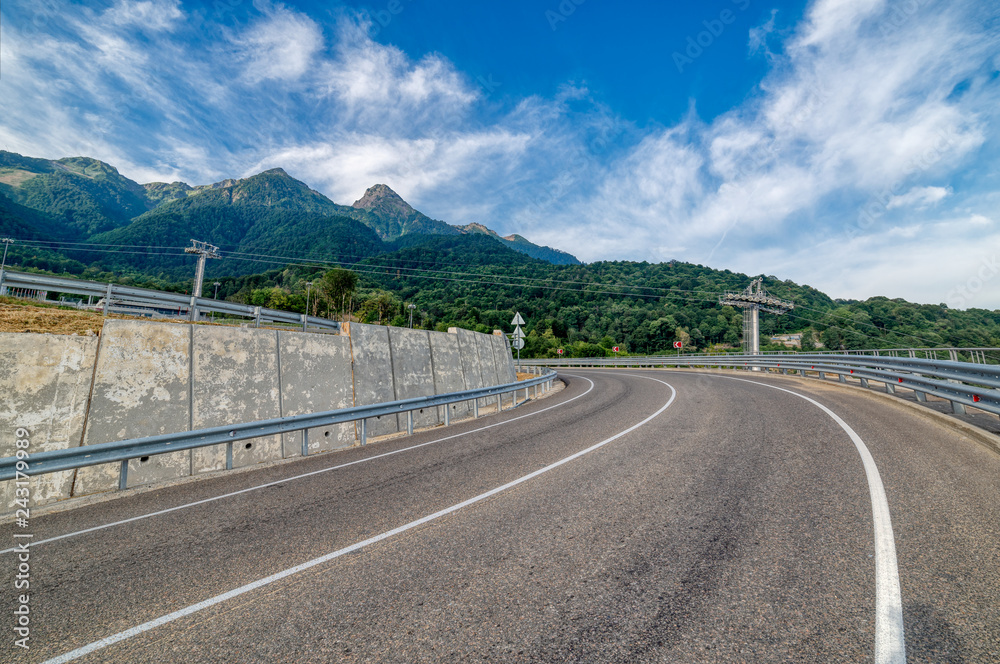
(305, 322)
(921, 397)
(229, 455)
(3, 289)
(890, 388)
(864, 382)
(194, 309)
(409, 422)
(958, 408)
(822, 375)
(953, 355)
(447, 414)
(107, 299)
(842, 377)
(475, 409)
(123, 475)
(305, 442)
(499, 402)
(364, 432)
(256, 316)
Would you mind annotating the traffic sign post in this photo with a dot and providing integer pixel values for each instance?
(678, 345)
(518, 336)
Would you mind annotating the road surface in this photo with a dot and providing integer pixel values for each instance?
(636, 516)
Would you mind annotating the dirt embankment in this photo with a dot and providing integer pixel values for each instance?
(18, 317)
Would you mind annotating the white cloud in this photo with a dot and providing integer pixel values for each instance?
(280, 46)
(919, 197)
(859, 109)
(152, 15)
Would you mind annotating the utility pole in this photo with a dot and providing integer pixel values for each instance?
(204, 251)
(753, 300)
(3, 264)
(215, 297)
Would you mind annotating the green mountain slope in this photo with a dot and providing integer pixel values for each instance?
(518, 243)
(85, 196)
(269, 214)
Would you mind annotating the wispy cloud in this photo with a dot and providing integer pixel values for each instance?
(281, 46)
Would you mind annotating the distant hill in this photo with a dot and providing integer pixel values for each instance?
(518, 243)
(82, 195)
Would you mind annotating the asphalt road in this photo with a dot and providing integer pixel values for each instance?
(734, 525)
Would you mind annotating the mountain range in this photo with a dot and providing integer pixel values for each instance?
(87, 201)
(80, 216)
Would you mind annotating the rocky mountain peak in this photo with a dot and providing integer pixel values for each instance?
(381, 196)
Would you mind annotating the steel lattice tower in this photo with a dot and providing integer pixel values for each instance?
(202, 250)
(753, 300)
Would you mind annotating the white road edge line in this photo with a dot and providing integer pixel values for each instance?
(890, 644)
(212, 601)
(297, 477)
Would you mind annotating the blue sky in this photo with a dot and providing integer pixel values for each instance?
(851, 145)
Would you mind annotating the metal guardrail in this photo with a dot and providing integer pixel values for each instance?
(953, 353)
(961, 383)
(133, 296)
(29, 465)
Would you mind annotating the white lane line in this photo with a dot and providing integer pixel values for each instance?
(212, 601)
(303, 475)
(890, 645)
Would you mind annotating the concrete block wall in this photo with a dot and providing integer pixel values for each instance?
(446, 358)
(145, 378)
(373, 379)
(141, 388)
(316, 375)
(44, 388)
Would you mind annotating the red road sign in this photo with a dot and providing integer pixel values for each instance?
(615, 349)
(678, 344)
(559, 351)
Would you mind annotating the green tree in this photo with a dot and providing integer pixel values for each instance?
(338, 286)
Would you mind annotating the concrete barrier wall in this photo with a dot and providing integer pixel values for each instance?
(145, 378)
(373, 378)
(44, 388)
(316, 376)
(234, 379)
(449, 375)
(468, 347)
(413, 372)
(141, 388)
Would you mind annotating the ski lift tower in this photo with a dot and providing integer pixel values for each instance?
(752, 301)
(202, 250)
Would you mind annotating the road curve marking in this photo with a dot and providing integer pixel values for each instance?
(890, 644)
(212, 601)
(297, 477)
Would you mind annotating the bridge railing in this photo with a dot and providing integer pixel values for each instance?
(139, 301)
(961, 383)
(28, 465)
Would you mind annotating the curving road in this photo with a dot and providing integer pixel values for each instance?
(635, 516)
